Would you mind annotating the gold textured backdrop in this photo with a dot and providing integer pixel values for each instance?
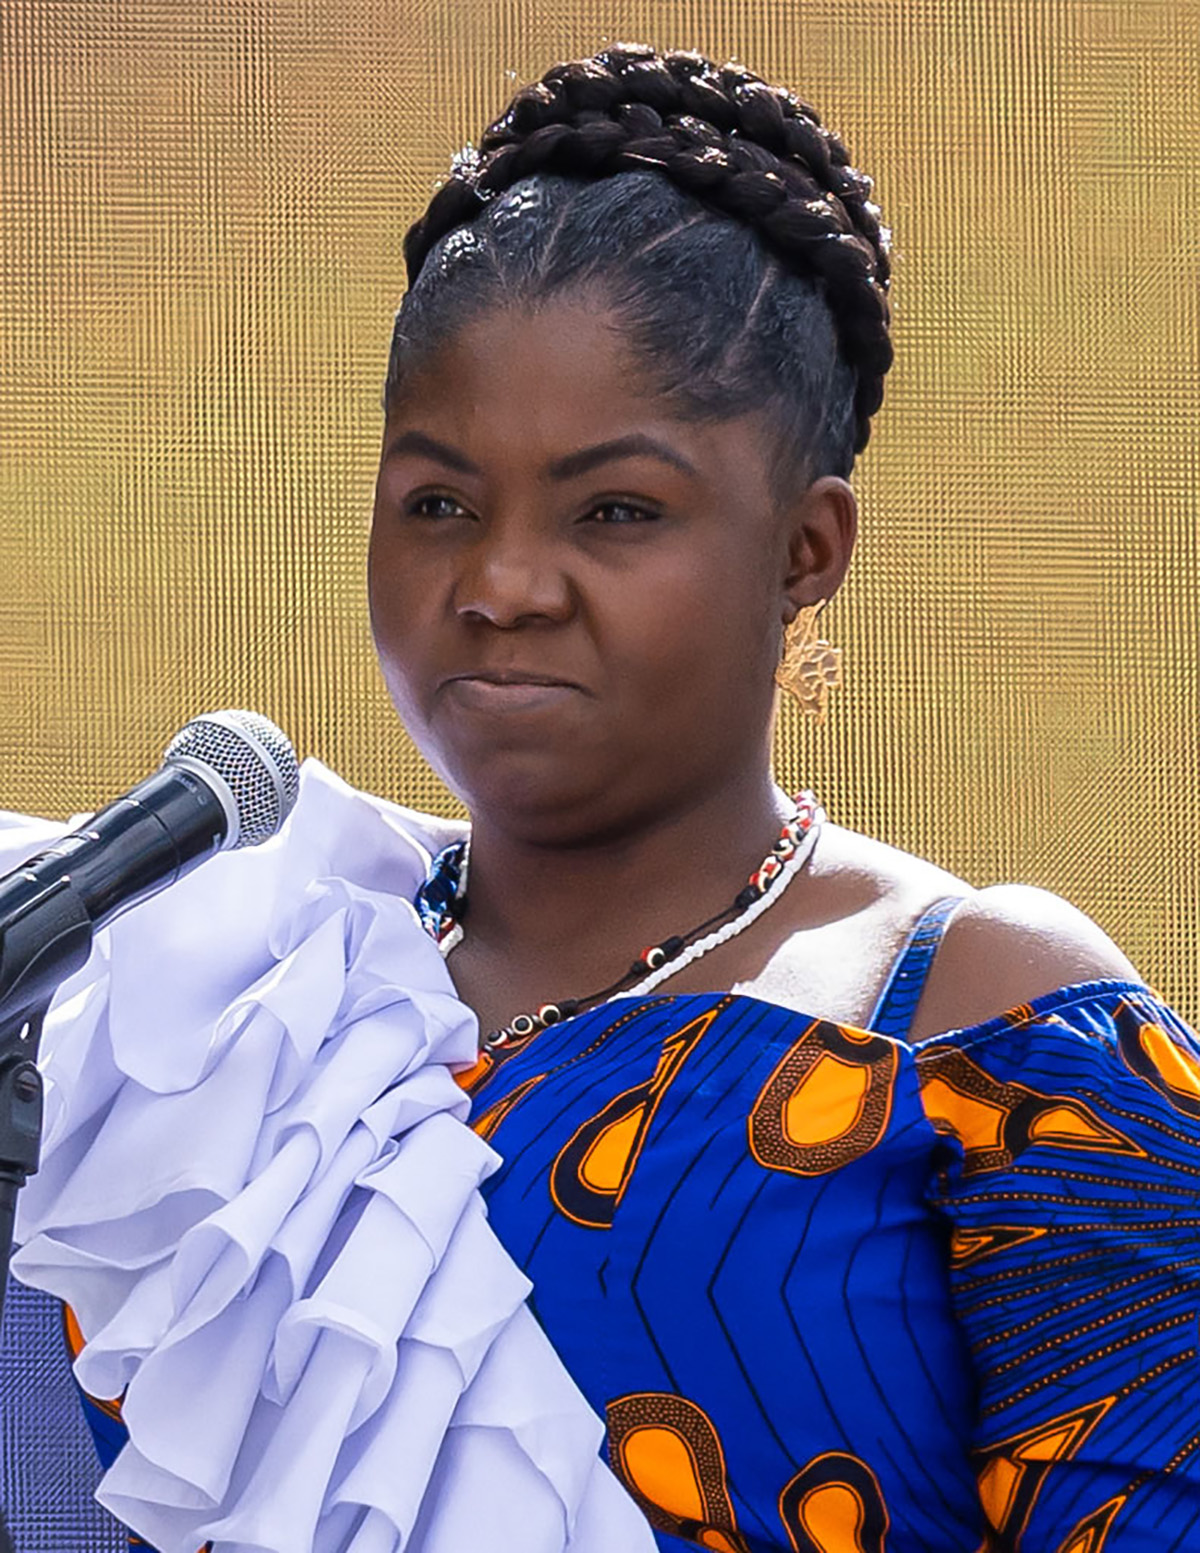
(201, 209)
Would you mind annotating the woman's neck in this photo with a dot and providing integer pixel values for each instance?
(585, 908)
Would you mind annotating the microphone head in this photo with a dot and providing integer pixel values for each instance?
(250, 765)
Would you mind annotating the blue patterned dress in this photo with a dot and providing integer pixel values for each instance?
(834, 1292)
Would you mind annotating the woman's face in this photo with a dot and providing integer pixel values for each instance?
(576, 597)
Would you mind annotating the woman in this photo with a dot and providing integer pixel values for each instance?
(861, 1203)
(644, 334)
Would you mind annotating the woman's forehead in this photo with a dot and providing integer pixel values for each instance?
(546, 384)
(572, 339)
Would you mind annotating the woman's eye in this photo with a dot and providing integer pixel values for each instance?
(621, 512)
(434, 506)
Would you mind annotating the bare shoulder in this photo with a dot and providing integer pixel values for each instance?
(867, 871)
(1007, 945)
(837, 940)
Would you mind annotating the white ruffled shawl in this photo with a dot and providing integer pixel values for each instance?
(260, 1198)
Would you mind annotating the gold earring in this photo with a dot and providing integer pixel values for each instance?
(810, 668)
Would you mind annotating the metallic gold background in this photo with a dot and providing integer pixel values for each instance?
(201, 209)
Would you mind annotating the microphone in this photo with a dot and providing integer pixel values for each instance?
(228, 780)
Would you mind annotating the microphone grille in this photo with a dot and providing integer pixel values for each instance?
(255, 761)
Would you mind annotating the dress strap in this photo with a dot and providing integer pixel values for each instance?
(902, 991)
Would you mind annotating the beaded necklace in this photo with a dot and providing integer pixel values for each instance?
(442, 906)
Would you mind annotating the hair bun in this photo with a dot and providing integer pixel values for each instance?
(724, 136)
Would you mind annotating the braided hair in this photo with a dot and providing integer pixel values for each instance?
(712, 212)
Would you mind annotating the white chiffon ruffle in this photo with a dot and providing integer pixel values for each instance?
(260, 1198)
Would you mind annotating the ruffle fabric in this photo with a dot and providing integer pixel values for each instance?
(259, 1195)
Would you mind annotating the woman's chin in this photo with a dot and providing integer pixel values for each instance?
(533, 800)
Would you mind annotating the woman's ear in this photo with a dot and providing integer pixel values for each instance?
(821, 527)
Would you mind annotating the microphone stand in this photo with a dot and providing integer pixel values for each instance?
(47, 937)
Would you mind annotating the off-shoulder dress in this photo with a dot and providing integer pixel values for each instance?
(830, 1290)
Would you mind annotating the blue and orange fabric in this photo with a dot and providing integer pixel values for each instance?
(834, 1292)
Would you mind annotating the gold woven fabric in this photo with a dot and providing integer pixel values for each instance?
(201, 209)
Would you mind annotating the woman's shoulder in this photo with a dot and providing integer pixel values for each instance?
(1009, 945)
(1004, 945)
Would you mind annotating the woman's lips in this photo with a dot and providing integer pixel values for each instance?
(481, 693)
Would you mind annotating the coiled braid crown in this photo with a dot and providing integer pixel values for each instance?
(671, 180)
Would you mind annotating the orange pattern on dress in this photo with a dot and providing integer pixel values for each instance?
(968, 1246)
(835, 1505)
(828, 1101)
(592, 1170)
(1011, 1472)
(1090, 1535)
(997, 1121)
(486, 1122)
(1159, 1060)
(665, 1449)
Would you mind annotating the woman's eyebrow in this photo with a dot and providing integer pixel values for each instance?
(569, 467)
(635, 443)
(429, 447)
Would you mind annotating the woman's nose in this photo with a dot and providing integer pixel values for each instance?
(510, 578)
